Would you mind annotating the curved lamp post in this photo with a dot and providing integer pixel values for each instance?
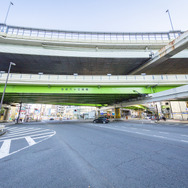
(167, 11)
(2, 98)
(8, 12)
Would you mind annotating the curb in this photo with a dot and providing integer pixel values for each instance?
(2, 132)
(7, 124)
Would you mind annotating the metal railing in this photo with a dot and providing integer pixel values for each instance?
(80, 36)
(95, 80)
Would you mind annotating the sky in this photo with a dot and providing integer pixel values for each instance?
(97, 15)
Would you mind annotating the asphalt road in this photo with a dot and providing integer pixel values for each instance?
(72, 154)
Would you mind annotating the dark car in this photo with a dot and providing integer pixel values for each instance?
(101, 120)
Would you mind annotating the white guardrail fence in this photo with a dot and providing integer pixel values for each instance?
(82, 36)
(119, 80)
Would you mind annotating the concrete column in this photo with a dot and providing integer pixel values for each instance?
(179, 110)
(2, 116)
(117, 113)
(6, 114)
(98, 113)
(158, 106)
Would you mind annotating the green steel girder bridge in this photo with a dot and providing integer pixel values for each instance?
(85, 90)
(90, 68)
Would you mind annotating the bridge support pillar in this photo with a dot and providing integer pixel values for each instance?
(98, 113)
(117, 113)
(6, 114)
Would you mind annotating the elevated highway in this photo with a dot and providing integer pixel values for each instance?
(85, 90)
(88, 53)
(57, 54)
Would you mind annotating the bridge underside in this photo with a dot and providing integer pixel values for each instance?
(170, 66)
(34, 64)
(87, 66)
(75, 95)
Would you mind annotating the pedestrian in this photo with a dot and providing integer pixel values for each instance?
(164, 118)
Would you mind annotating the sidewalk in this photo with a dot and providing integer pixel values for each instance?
(5, 124)
(172, 121)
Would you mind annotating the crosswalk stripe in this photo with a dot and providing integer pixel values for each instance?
(29, 132)
(5, 148)
(42, 136)
(21, 129)
(29, 135)
(30, 140)
(18, 130)
(12, 128)
(17, 138)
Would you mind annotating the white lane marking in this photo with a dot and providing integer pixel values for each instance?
(185, 141)
(164, 132)
(145, 130)
(54, 132)
(158, 136)
(29, 135)
(145, 134)
(184, 135)
(30, 140)
(31, 132)
(5, 148)
(138, 133)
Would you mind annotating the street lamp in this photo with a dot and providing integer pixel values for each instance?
(170, 19)
(167, 11)
(8, 12)
(2, 98)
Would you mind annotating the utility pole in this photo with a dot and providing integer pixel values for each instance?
(19, 112)
(2, 98)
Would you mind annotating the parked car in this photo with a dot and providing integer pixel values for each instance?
(101, 120)
(51, 118)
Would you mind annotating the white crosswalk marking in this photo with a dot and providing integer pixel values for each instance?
(28, 136)
(5, 148)
(30, 140)
(28, 133)
(32, 135)
(21, 131)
